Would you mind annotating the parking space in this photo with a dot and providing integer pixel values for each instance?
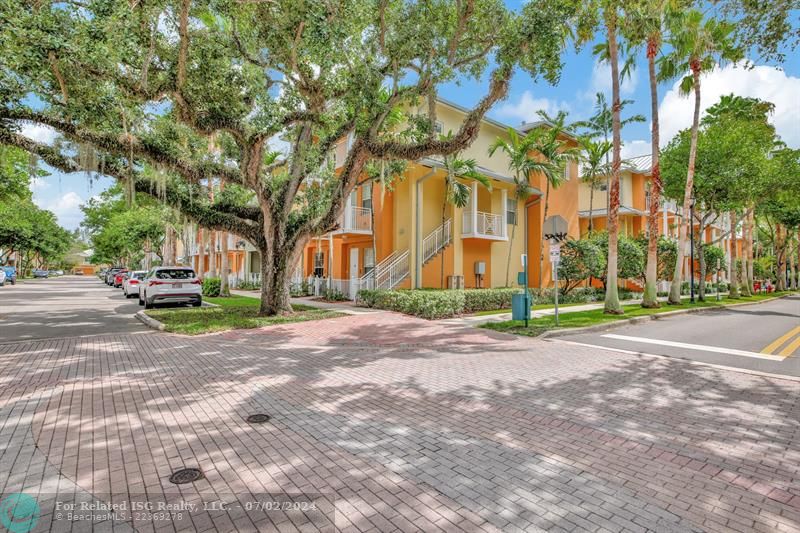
(65, 306)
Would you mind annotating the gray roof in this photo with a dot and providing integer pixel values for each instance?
(431, 162)
(641, 164)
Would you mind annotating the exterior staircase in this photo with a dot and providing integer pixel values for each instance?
(389, 273)
(437, 240)
(395, 268)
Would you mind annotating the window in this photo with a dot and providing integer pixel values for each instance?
(366, 196)
(567, 171)
(511, 211)
(319, 264)
(174, 273)
(369, 260)
(438, 128)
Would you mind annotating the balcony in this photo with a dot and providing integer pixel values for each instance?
(355, 220)
(482, 225)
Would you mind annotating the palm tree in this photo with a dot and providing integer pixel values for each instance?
(594, 168)
(698, 46)
(612, 305)
(554, 155)
(519, 150)
(647, 21)
(600, 125)
(456, 192)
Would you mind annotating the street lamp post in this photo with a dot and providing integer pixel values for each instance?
(691, 249)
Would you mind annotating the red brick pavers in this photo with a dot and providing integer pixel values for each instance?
(392, 424)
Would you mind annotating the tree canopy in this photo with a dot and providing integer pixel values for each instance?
(173, 94)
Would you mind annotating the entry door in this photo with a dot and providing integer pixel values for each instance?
(353, 272)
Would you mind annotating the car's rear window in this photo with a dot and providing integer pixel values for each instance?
(175, 273)
(138, 275)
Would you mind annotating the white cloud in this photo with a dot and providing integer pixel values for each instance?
(600, 81)
(635, 148)
(766, 83)
(39, 184)
(39, 133)
(66, 208)
(525, 109)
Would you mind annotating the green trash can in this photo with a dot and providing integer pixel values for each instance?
(519, 308)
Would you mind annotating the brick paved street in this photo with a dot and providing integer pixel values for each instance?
(393, 423)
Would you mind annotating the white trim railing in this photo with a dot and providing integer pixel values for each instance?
(356, 219)
(482, 224)
(388, 273)
(437, 240)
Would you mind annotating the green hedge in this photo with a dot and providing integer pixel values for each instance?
(488, 299)
(211, 287)
(433, 304)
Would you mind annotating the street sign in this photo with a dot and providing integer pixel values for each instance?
(556, 228)
(555, 253)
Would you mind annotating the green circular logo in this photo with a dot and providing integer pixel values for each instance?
(19, 512)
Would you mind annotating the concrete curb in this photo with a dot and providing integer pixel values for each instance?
(150, 322)
(563, 332)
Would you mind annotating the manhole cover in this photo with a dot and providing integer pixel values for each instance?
(259, 418)
(186, 475)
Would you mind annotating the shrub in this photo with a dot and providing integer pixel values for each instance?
(488, 299)
(580, 259)
(249, 285)
(334, 295)
(630, 258)
(421, 303)
(211, 287)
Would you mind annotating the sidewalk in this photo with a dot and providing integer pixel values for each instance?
(343, 307)
(474, 321)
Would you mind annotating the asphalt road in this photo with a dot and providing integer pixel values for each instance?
(763, 337)
(67, 306)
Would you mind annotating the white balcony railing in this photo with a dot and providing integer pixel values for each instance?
(484, 225)
(356, 220)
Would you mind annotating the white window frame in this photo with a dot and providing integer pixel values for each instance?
(511, 211)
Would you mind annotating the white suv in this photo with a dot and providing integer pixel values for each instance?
(170, 285)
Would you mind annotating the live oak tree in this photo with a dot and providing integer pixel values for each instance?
(145, 85)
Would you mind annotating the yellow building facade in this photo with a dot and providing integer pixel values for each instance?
(408, 237)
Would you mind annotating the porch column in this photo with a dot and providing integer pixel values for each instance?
(330, 261)
(503, 210)
(474, 202)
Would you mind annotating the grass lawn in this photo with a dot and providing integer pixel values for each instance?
(537, 307)
(236, 312)
(580, 319)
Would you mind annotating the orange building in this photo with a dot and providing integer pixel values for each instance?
(410, 238)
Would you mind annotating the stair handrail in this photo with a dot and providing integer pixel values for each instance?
(437, 240)
(394, 272)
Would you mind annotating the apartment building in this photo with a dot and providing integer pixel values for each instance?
(634, 209)
(408, 237)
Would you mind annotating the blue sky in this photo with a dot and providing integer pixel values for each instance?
(582, 77)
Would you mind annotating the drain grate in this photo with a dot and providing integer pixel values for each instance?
(259, 418)
(185, 475)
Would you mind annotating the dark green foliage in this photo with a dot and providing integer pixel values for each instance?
(211, 287)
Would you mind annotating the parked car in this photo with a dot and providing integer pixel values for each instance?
(11, 274)
(111, 273)
(102, 273)
(170, 285)
(2, 277)
(119, 277)
(39, 273)
(130, 287)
